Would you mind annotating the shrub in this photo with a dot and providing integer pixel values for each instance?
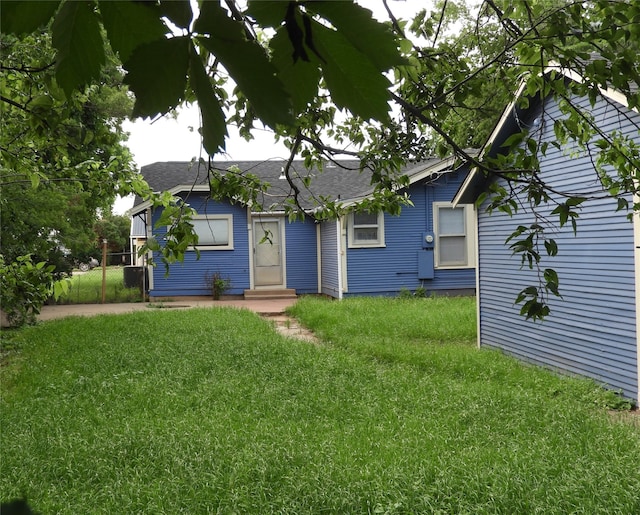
(24, 288)
(217, 284)
(406, 293)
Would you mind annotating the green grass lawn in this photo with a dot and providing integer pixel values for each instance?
(212, 411)
(86, 288)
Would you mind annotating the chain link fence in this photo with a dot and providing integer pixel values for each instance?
(118, 277)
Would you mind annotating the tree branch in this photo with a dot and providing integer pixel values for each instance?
(507, 23)
(238, 16)
(440, 22)
(321, 147)
(496, 59)
(419, 114)
(15, 104)
(26, 69)
(394, 20)
(287, 168)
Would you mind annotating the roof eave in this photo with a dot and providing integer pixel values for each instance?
(415, 174)
(143, 206)
(472, 186)
(467, 192)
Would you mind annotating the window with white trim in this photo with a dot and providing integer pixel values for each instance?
(215, 232)
(455, 240)
(366, 230)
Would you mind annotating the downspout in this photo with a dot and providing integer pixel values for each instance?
(477, 263)
(428, 207)
(250, 246)
(341, 256)
(636, 243)
(319, 256)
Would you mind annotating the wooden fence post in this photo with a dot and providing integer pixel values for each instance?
(104, 270)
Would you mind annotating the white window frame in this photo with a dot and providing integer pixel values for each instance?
(356, 244)
(229, 245)
(469, 235)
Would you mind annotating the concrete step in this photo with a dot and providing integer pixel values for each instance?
(287, 293)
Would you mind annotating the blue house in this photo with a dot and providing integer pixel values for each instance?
(594, 329)
(430, 245)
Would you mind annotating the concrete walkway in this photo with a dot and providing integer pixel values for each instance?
(267, 307)
(271, 309)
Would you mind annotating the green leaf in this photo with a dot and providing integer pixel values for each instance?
(623, 203)
(535, 310)
(513, 140)
(373, 39)
(157, 74)
(41, 104)
(247, 63)
(27, 16)
(575, 201)
(355, 84)
(551, 276)
(214, 128)
(270, 13)
(77, 37)
(552, 247)
(562, 211)
(130, 24)
(35, 180)
(481, 198)
(506, 208)
(178, 11)
(61, 288)
(301, 78)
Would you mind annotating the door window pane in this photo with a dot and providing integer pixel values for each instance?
(267, 244)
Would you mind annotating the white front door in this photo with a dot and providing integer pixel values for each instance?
(268, 253)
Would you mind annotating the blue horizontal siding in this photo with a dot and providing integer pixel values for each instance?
(389, 269)
(302, 256)
(591, 330)
(188, 278)
(330, 256)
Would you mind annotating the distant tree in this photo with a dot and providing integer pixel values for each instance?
(453, 75)
(63, 157)
(115, 229)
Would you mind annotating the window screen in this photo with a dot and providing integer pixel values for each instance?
(212, 232)
(365, 229)
(452, 237)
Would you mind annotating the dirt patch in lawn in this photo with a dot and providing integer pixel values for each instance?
(291, 328)
(629, 417)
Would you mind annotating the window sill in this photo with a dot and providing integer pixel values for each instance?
(363, 246)
(206, 247)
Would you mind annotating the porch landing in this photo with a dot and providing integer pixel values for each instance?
(287, 293)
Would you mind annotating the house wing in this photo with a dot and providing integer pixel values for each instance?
(476, 182)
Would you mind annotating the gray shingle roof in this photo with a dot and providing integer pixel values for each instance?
(344, 182)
